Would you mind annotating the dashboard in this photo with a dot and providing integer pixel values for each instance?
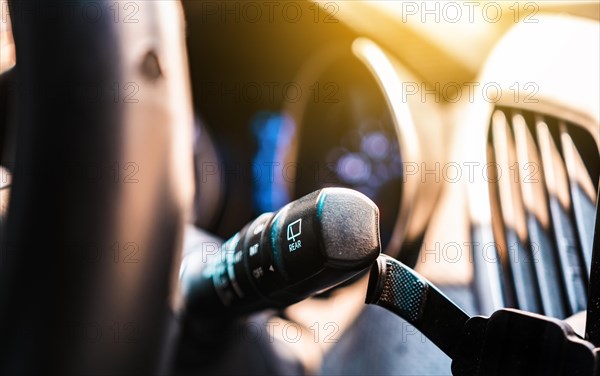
(474, 127)
(398, 100)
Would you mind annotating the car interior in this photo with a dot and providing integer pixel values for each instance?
(299, 187)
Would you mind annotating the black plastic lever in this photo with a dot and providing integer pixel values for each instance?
(509, 342)
(403, 291)
(310, 245)
(513, 342)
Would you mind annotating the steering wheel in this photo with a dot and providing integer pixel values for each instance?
(102, 182)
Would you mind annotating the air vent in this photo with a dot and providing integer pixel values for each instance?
(543, 200)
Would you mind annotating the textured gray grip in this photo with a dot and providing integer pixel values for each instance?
(403, 290)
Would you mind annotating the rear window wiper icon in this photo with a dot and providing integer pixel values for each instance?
(294, 230)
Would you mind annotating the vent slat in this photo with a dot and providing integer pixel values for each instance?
(541, 242)
(549, 209)
(583, 196)
(574, 275)
(510, 229)
(489, 280)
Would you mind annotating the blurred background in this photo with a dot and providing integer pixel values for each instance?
(399, 100)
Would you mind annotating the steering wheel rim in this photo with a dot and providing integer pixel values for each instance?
(102, 186)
